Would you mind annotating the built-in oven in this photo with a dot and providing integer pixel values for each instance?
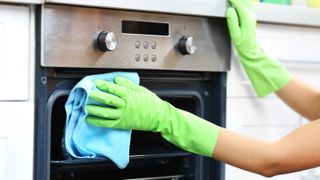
(183, 59)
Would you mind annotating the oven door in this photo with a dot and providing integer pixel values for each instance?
(151, 156)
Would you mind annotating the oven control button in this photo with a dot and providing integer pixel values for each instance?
(153, 45)
(187, 45)
(146, 45)
(153, 58)
(145, 57)
(137, 57)
(138, 44)
(107, 41)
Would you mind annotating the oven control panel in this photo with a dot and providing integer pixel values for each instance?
(82, 37)
(107, 41)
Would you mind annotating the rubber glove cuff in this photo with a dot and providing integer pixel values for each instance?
(266, 74)
(190, 132)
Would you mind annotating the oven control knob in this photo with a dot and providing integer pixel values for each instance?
(107, 41)
(187, 45)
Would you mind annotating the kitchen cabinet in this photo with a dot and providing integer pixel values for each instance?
(267, 112)
(17, 92)
(16, 140)
(292, 45)
(14, 53)
(287, 14)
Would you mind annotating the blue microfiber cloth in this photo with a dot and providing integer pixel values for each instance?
(83, 140)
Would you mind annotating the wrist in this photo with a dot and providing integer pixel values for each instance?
(266, 74)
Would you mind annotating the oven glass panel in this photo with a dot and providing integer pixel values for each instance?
(142, 143)
(168, 161)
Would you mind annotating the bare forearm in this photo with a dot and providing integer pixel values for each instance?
(302, 98)
(297, 151)
(244, 152)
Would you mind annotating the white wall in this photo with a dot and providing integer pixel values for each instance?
(269, 118)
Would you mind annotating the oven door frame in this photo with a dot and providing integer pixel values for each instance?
(212, 86)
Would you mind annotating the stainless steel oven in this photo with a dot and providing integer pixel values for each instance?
(181, 58)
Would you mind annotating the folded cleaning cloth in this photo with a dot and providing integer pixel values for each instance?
(83, 140)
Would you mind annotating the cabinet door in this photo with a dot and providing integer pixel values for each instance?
(16, 92)
(290, 43)
(14, 52)
(16, 140)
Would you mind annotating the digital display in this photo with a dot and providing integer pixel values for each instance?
(145, 28)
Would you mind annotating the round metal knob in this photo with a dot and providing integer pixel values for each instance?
(187, 45)
(107, 41)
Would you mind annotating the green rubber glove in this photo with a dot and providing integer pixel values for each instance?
(265, 73)
(130, 106)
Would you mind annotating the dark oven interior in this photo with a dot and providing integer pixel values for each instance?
(151, 156)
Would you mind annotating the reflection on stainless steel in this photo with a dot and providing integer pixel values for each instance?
(70, 36)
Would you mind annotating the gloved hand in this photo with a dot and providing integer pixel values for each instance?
(130, 106)
(265, 73)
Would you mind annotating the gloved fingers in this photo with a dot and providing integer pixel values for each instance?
(250, 18)
(104, 112)
(107, 99)
(97, 121)
(111, 87)
(126, 83)
(233, 25)
(244, 10)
